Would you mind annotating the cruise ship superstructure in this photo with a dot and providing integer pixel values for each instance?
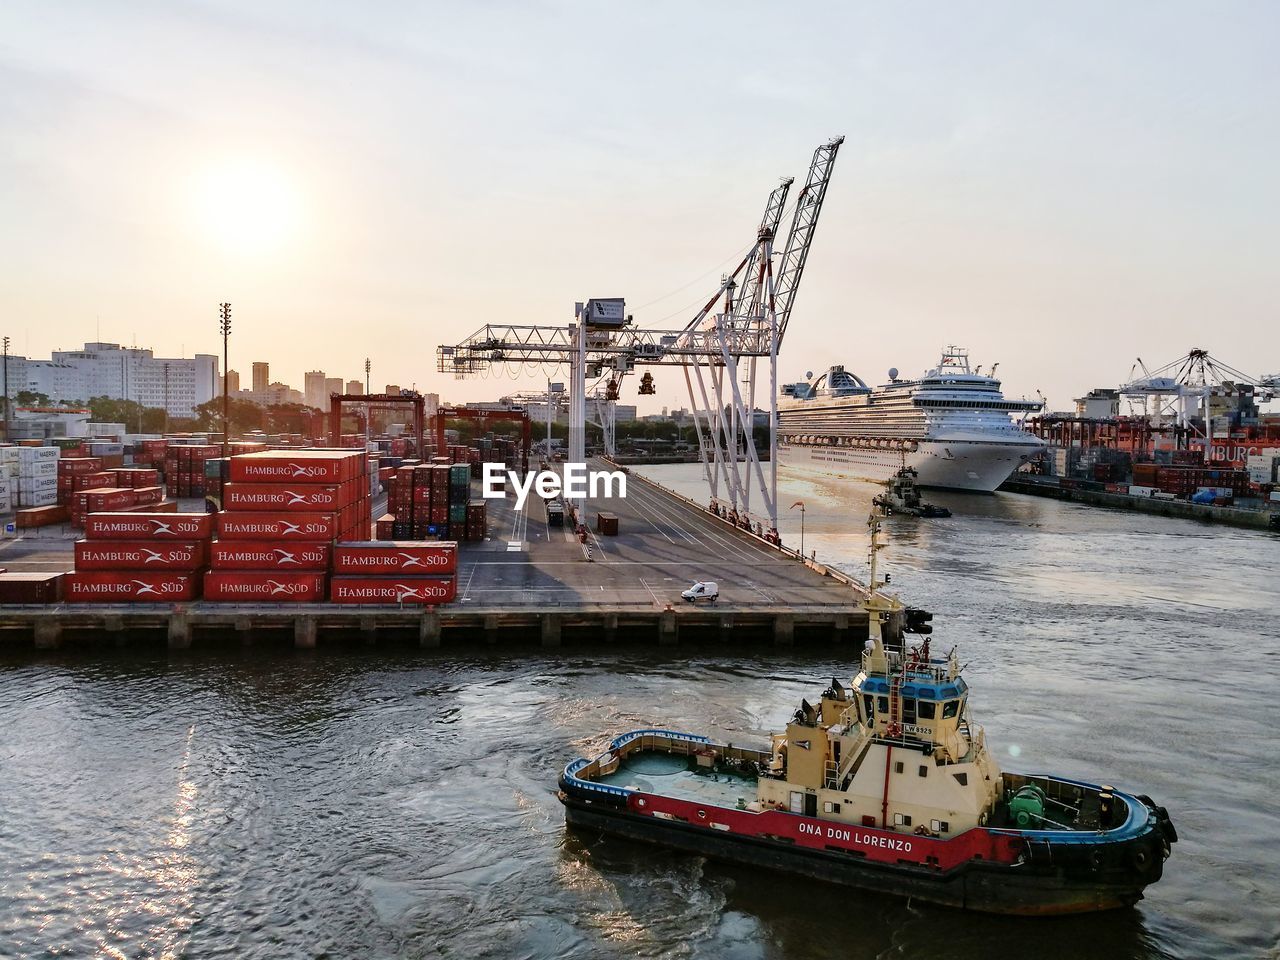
(953, 426)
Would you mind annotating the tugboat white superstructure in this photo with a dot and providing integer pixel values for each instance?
(886, 784)
(952, 426)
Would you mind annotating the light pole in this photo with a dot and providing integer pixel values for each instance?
(6, 389)
(368, 409)
(800, 504)
(224, 324)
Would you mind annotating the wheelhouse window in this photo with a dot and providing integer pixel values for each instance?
(950, 709)
(908, 709)
(926, 709)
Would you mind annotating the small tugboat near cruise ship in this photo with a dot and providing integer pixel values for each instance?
(886, 785)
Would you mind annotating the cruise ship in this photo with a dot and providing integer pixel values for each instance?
(953, 426)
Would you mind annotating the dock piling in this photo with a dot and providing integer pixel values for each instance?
(784, 630)
(48, 634)
(429, 629)
(179, 631)
(551, 629)
(668, 629)
(304, 633)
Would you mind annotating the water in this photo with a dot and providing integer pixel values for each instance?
(402, 805)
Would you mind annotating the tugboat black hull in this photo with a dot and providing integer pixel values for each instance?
(1084, 879)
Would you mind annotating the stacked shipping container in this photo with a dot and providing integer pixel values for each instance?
(139, 557)
(429, 501)
(30, 477)
(394, 572)
(283, 511)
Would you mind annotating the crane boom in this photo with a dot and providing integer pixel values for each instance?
(749, 305)
(808, 207)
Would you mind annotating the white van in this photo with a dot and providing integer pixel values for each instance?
(702, 590)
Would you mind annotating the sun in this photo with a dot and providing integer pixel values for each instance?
(247, 207)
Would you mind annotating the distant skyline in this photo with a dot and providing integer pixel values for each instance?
(1060, 189)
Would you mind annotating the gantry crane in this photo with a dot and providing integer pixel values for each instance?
(743, 321)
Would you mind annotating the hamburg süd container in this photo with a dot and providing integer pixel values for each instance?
(394, 557)
(392, 590)
(270, 586)
(276, 526)
(140, 555)
(263, 555)
(148, 526)
(134, 586)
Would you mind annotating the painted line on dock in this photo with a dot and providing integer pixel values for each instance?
(466, 591)
(702, 525)
(656, 601)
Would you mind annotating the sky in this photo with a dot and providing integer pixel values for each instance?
(1060, 188)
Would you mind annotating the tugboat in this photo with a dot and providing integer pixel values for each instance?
(903, 496)
(886, 785)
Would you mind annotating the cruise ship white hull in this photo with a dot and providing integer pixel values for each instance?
(973, 465)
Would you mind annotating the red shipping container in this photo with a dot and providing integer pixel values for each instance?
(301, 466)
(104, 501)
(395, 557)
(164, 506)
(268, 555)
(85, 481)
(134, 586)
(134, 555)
(276, 497)
(75, 466)
(308, 527)
(416, 590)
(30, 587)
(148, 526)
(272, 586)
(41, 516)
(385, 523)
(148, 495)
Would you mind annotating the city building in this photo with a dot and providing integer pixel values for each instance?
(261, 377)
(393, 389)
(331, 385)
(355, 387)
(1101, 403)
(121, 373)
(313, 390)
(233, 382)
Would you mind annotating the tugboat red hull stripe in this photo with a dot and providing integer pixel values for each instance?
(885, 846)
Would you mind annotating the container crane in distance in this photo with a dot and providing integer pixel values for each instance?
(740, 324)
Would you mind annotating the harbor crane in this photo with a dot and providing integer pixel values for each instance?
(1177, 388)
(742, 323)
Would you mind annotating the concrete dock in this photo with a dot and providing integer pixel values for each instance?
(529, 582)
(1268, 519)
